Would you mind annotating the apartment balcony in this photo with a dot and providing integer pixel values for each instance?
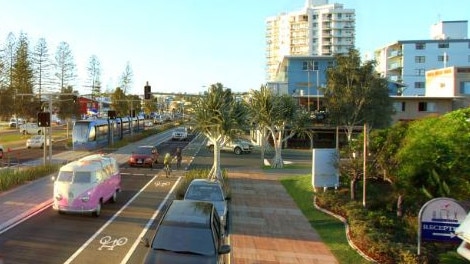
(395, 66)
(395, 53)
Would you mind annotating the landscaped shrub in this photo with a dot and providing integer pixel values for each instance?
(11, 177)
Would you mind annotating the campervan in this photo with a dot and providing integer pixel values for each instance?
(84, 185)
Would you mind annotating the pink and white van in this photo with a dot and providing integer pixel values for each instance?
(84, 185)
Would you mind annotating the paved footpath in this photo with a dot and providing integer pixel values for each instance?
(267, 225)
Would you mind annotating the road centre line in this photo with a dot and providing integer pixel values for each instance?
(92, 238)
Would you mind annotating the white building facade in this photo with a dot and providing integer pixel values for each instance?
(318, 29)
(407, 61)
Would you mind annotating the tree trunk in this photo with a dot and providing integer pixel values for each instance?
(400, 206)
(277, 161)
(216, 172)
(353, 189)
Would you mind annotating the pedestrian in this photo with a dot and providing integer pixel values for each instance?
(178, 157)
(166, 164)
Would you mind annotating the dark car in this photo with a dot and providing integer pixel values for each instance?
(189, 232)
(143, 156)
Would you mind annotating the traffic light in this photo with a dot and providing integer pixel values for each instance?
(112, 114)
(147, 91)
(44, 119)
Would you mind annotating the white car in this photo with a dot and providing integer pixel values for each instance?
(32, 129)
(180, 133)
(36, 142)
(237, 146)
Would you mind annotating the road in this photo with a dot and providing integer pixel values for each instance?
(111, 238)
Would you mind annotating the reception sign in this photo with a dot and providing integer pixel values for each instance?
(438, 219)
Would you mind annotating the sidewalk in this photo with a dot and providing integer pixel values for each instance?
(267, 226)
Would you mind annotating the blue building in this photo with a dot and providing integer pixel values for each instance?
(302, 77)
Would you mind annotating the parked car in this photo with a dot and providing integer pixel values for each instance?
(158, 120)
(188, 232)
(180, 133)
(36, 141)
(210, 191)
(143, 156)
(32, 129)
(15, 122)
(237, 146)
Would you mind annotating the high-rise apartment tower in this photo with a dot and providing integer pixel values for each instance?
(318, 29)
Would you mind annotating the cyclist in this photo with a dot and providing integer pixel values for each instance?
(178, 158)
(167, 164)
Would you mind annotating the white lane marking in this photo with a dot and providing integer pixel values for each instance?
(88, 242)
(149, 223)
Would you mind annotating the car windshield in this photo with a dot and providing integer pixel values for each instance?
(38, 137)
(184, 239)
(77, 177)
(204, 193)
(143, 151)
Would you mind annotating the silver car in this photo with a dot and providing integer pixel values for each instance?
(36, 142)
(210, 191)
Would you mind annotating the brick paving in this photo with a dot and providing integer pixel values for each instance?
(267, 225)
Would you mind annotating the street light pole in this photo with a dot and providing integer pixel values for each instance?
(308, 88)
(318, 93)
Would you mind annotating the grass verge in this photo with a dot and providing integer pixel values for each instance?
(331, 230)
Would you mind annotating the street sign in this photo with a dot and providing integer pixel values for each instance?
(438, 219)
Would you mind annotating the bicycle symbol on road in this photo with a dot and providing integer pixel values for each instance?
(108, 243)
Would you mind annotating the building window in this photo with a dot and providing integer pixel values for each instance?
(307, 65)
(465, 88)
(420, 46)
(441, 58)
(420, 59)
(314, 17)
(399, 106)
(331, 64)
(426, 107)
(419, 72)
(419, 85)
(444, 45)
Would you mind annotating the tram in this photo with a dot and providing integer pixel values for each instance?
(92, 134)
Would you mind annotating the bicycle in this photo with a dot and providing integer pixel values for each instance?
(167, 168)
(178, 163)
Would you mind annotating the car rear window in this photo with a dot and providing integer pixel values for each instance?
(185, 239)
(204, 193)
(145, 151)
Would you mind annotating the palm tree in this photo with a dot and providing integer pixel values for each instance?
(219, 117)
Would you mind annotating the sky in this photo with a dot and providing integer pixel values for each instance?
(183, 46)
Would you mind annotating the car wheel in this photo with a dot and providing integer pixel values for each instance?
(114, 197)
(39, 132)
(237, 151)
(42, 146)
(24, 132)
(97, 211)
